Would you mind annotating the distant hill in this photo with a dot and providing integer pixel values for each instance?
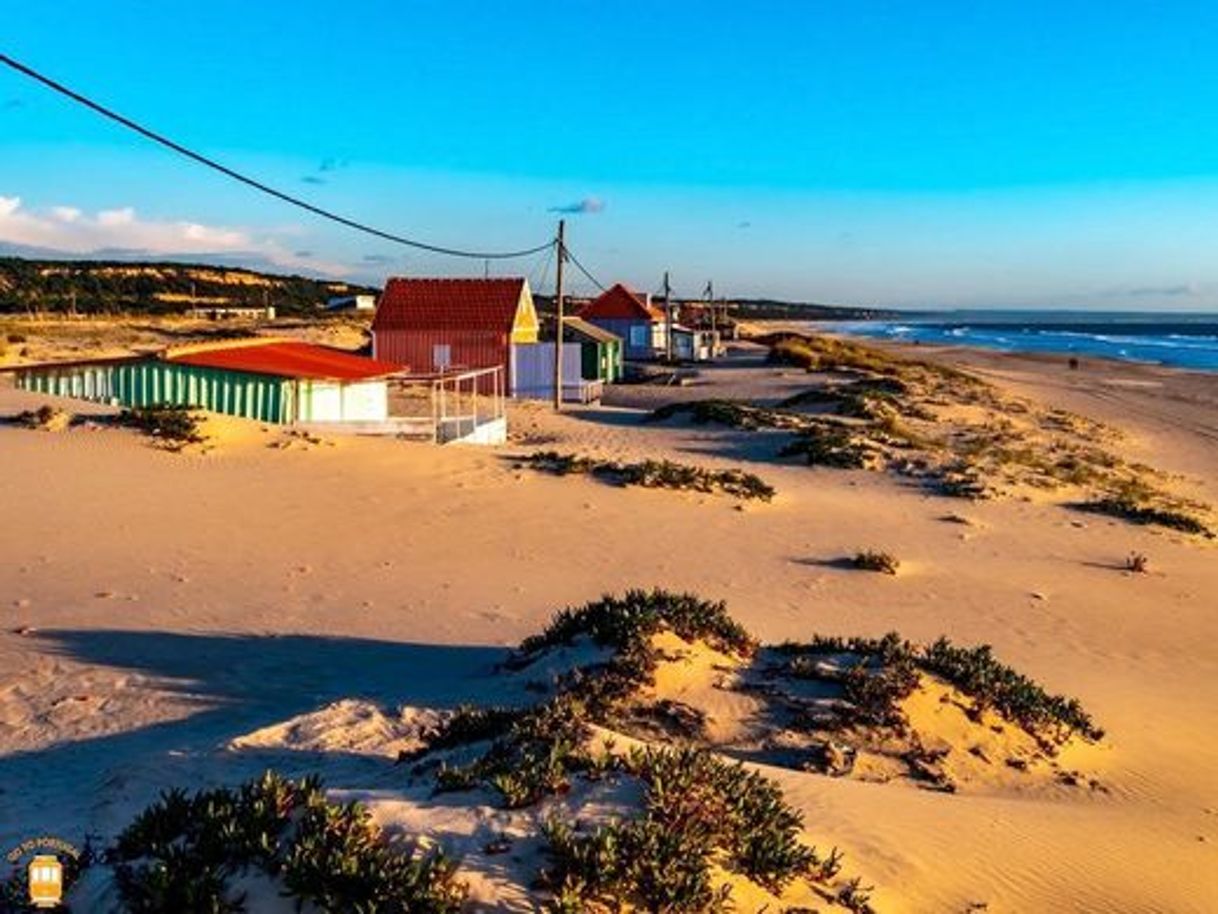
(110, 287)
(771, 309)
(126, 287)
(756, 309)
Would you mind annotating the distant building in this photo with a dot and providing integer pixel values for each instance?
(691, 345)
(437, 325)
(233, 312)
(600, 350)
(630, 316)
(351, 303)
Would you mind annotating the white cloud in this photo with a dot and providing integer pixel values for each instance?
(111, 218)
(69, 230)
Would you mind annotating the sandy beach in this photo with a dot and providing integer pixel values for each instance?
(169, 619)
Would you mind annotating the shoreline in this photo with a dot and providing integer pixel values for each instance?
(1170, 414)
(911, 347)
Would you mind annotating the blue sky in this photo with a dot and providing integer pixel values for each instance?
(960, 154)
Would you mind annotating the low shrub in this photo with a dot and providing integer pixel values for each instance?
(869, 398)
(876, 694)
(831, 446)
(468, 724)
(533, 758)
(973, 670)
(730, 413)
(978, 674)
(182, 852)
(656, 474)
(855, 896)
(629, 620)
(698, 811)
(174, 426)
(1143, 513)
(44, 418)
(962, 480)
(873, 560)
(1137, 563)
(541, 747)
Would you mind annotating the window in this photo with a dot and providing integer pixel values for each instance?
(441, 356)
(638, 336)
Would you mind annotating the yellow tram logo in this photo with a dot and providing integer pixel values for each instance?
(46, 881)
(45, 873)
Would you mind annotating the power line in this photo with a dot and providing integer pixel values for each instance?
(258, 185)
(545, 270)
(581, 268)
(541, 267)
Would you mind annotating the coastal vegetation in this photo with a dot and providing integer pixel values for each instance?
(654, 474)
(1137, 562)
(692, 820)
(955, 434)
(875, 560)
(1140, 504)
(45, 418)
(185, 851)
(173, 427)
(120, 287)
(550, 747)
(698, 812)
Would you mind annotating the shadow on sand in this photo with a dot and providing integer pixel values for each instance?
(239, 683)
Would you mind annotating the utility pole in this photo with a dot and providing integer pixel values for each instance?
(667, 316)
(710, 301)
(558, 322)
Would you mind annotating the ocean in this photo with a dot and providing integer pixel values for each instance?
(1178, 340)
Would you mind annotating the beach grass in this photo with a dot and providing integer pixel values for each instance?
(955, 433)
(655, 474)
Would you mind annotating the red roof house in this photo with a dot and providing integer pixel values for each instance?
(284, 359)
(440, 324)
(627, 314)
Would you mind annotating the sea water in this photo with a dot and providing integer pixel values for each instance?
(1179, 340)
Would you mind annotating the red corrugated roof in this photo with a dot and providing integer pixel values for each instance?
(448, 304)
(288, 359)
(620, 303)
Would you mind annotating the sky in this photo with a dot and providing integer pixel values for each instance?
(939, 154)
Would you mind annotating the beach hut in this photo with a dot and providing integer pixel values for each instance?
(600, 350)
(630, 316)
(277, 381)
(436, 325)
(532, 374)
(692, 345)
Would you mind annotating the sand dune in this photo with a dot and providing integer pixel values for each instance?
(193, 618)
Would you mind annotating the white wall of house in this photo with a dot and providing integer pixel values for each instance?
(366, 401)
(326, 401)
(532, 375)
(659, 336)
